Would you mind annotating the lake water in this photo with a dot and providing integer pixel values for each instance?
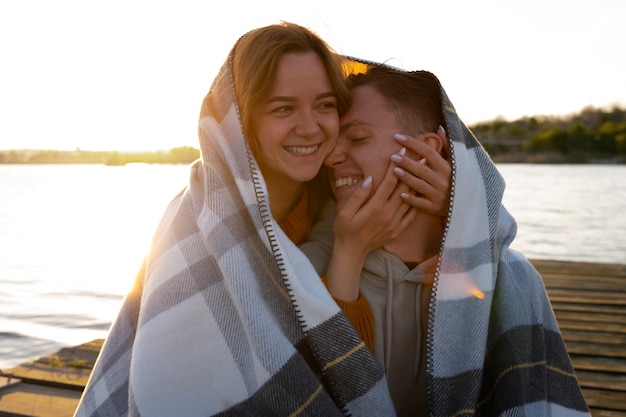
(73, 236)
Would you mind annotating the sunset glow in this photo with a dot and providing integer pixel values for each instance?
(132, 75)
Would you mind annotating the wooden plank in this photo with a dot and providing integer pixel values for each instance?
(586, 283)
(50, 386)
(592, 327)
(68, 368)
(574, 268)
(602, 380)
(7, 382)
(595, 412)
(602, 321)
(603, 272)
(588, 308)
(68, 377)
(589, 363)
(591, 317)
(596, 297)
(581, 277)
(594, 337)
(32, 400)
(591, 349)
(604, 399)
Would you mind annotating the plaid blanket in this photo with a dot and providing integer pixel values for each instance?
(227, 316)
(493, 344)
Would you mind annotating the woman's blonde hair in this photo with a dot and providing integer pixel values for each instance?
(254, 65)
(255, 60)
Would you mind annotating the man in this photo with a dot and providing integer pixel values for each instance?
(462, 323)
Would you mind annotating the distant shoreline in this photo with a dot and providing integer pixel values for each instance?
(553, 158)
(592, 136)
(182, 155)
(188, 155)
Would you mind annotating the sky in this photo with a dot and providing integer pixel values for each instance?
(131, 75)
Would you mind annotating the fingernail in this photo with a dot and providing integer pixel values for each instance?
(367, 182)
(396, 158)
(422, 161)
(402, 151)
(399, 171)
(404, 196)
(400, 138)
(442, 129)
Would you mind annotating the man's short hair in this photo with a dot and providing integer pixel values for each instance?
(415, 96)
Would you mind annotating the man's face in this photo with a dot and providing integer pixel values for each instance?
(365, 142)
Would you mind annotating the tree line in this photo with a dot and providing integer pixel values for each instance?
(592, 135)
(180, 155)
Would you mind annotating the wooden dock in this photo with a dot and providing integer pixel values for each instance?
(589, 302)
(50, 386)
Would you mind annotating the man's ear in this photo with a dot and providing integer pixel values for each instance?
(445, 142)
(435, 141)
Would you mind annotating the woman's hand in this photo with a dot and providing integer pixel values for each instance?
(369, 223)
(426, 172)
(363, 224)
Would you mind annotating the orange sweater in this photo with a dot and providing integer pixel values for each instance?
(297, 226)
(359, 313)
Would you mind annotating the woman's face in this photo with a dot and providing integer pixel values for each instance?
(297, 124)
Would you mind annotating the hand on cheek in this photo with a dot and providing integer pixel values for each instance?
(427, 174)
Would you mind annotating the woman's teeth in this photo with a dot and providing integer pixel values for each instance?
(301, 150)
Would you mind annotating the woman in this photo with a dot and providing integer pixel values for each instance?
(227, 316)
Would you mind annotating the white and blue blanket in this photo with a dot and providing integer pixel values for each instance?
(227, 316)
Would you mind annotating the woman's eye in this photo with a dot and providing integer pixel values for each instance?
(282, 109)
(328, 105)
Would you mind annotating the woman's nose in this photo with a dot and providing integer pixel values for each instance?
(307, 125)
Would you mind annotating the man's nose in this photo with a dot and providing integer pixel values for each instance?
(337, 155)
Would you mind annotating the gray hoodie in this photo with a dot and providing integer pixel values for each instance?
(398, 295)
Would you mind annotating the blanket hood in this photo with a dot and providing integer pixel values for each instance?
(476, 210)
(227, 309)
(490, 322)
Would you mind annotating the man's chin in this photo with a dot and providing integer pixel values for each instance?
(342, 194)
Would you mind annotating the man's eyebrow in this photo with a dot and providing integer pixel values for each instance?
(351, 124)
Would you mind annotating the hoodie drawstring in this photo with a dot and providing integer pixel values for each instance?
(422, 274)
(388, 317)
(418, 339)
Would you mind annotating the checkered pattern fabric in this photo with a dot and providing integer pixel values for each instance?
(493, 347)
(227, 316)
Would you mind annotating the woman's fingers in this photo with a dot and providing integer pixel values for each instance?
(350, 206)
(370, 223)
(427, 173)
(418, 177)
